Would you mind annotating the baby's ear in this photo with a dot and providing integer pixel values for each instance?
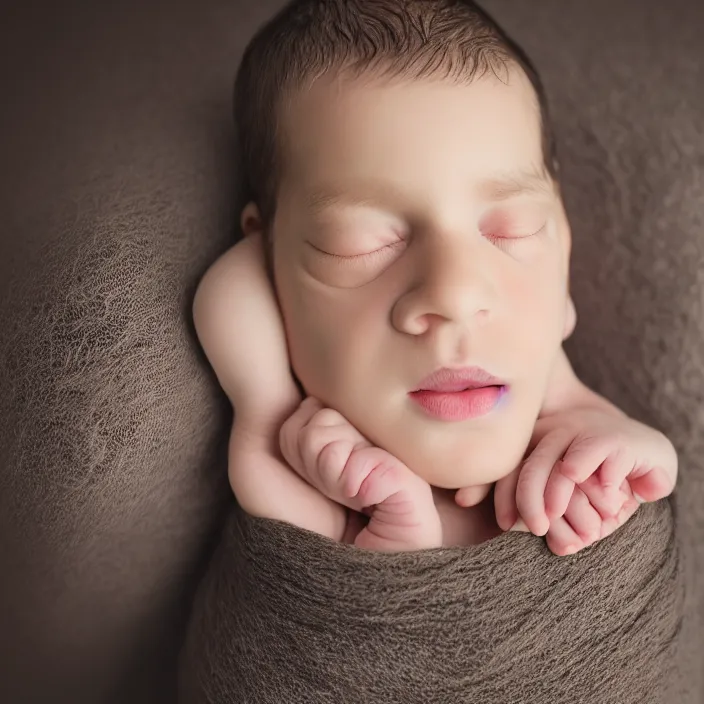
(251, 221)
(570, 318)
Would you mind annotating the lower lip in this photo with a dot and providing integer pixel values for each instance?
(459, 405)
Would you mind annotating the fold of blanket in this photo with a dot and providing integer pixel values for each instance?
(288, 617)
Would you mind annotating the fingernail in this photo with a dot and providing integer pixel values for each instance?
(639, 499)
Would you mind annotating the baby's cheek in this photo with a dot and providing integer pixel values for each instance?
(538, 311)
(320, 345)
(311, 357)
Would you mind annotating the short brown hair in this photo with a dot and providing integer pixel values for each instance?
(308, 38)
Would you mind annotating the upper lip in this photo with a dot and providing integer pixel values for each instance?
(448, 380)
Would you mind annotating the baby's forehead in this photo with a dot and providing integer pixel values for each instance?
(345, 102)
(351, 141)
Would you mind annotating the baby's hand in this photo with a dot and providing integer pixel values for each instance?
(586, 473)
(332, 456)
(585, 521)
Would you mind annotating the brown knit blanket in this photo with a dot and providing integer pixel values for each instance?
(288, 617)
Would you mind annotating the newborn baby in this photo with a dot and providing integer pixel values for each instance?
(325, 457)
(407, 256)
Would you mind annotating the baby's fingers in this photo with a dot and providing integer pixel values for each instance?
(630, 506)
(581, 526)
(290, 433)
(558, 493)
(505, 500)
(583, 518)
(586, 455)
(533, 479)
(601, 498)
(561, 539)
(653, 485)
(372, 476)
(583, 457)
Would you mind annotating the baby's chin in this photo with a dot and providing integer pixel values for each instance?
(462, 468)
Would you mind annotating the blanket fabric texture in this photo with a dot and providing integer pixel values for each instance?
(288, 616)
(117, 193)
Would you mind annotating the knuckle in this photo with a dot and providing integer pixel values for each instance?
(327, 417)
(311, 439)
(332, 460)
(381, 468)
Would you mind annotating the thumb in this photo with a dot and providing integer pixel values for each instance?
(653, 486)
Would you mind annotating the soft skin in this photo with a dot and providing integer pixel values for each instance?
(303, 463)
(416, 229)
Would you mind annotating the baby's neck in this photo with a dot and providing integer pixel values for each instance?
(465, 526)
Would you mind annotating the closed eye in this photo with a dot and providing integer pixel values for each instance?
(507, 239)
(365, 256)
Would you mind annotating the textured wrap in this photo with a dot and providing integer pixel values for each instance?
(288, 616)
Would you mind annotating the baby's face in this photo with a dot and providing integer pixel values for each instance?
(415, 231)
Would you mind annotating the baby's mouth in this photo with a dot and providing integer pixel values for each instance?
(447, 380)
(457, 406)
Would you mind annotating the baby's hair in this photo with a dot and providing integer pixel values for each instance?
(306, 39)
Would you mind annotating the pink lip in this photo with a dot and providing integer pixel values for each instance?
(459, 394)
(451, 380)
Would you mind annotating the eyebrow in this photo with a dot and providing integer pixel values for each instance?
(497, 187)
(503, 186)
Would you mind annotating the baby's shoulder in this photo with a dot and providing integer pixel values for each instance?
(238, 322)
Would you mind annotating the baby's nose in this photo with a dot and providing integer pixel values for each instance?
(454, 284)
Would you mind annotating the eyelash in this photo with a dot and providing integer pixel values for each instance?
(495, 239)
(356, 257)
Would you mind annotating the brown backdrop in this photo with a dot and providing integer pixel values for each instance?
(117, 179)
